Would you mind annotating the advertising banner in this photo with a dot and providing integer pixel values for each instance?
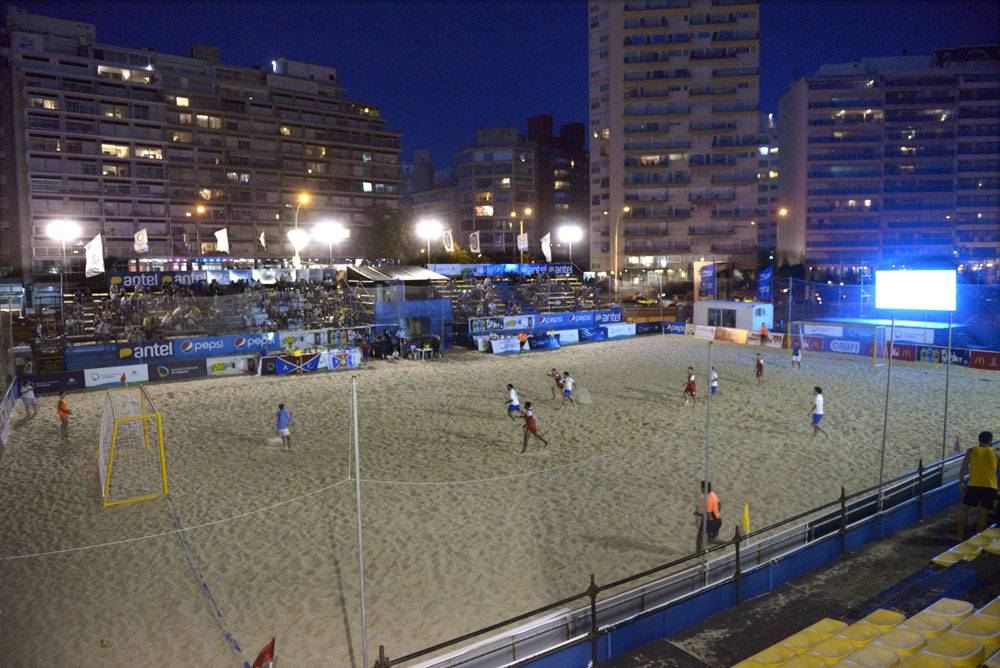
(773, 340)
(51, 383)
(506, 346)
(543, 342)
(286, 364)
(607, 317)
(731, 335)
(903, 352)
(764, 284)
(676, 328)
(485, 325)
(911, 334)
(309, 338)
(643, 328)
(705, 332)
(7, 405)
(689, 329)
(707, 274)
(184, 370)
(568, 337)
(230, 344)
(231, 366)
(114, 375)
(620, 330)
(500, 270)
(154, 279)
(984, 359)
(340, 359)
(593, 334)
(518, 323)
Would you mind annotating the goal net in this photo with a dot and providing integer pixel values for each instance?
(131, 463)
(868, 342)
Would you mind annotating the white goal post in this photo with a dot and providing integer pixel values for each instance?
(869, 342)
(130, 457)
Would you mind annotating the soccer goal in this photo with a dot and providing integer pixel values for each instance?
(131, 462)
(864, 341)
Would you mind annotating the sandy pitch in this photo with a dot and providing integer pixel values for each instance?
(461, 530)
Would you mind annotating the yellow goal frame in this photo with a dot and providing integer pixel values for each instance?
(149, 413)
(792, 332)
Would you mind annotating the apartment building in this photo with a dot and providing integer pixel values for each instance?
(893, 161)
(673, 146)
(123, 139)
(768, 175)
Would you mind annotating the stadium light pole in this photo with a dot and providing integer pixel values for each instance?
(428, 229)
(570, 234)
(299, 240)
(330, 232)
(62, 230)
(301, 200)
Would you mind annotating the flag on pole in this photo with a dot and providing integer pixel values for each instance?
(296, 261)
(474, 242)
(449, 243)
(222, 240)
(746, 518)
(95, 257)
(522, 242)
(547, 246)
(262, 242)
(266, 655)
(141, 242)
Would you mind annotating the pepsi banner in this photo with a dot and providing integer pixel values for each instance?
(707, 287)
(567, 320)
(232, 344)
(676, 328)
(764, 284)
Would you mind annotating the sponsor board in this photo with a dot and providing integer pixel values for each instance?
(113, 375)
(305, 338)
(773, 340)
(904, 352)
(593, 334)
(518, 323)
(146, 351)
(485, 325)
(705, 332)
(643, 328)
(984, 359)
(608, 317)
(731, 335)
(543, 342)
(155, 279)
(912, 334)
(568, 337)
(676, 328)
(821, 330)
(184, 370)
(210, 346)
(340, 359)
(567, 320)
(51, 383)
(506, 346)
(620, 330)
(690, 329)
(286, 364)
(227, 366)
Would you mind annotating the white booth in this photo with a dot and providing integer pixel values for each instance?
(737, 315)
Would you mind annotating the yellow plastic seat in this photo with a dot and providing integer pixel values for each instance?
(982, 628)
(993, 661)
(775, 655)
(968, 551)
(872, 656)
(958, 651)
(860, 634)
(928, 625)
(946, 559)
(922, 660)
(993, 533)
(991, 609)
(832, 650)
(803, 640)
(992, 547)
(980, 540)
(804, 661)
(901, 641)
(827, 627)
(885, 619)
(951, 609)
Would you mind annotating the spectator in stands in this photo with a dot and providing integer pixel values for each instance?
(980, 464)
(435, 346)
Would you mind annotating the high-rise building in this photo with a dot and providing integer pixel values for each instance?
(562, 179)
(122, 139)
(673, 120)
(768, 175)
(893, 161)
(496, 196)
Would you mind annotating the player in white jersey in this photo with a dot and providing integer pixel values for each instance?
(817, 411)
(568, 384)
(513, 402)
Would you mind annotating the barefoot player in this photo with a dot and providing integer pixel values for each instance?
(690, 388)
(758, 369)
(513, 402)
(557, 382)
(530, 427)
(817, 411)
(568, 384)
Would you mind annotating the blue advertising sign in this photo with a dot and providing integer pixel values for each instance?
(593, 334)
(642, 328)
(155, 279)
(707, 288)
(676, 328)
(568, 320)
(608, 317)
(231, 344)
(543, 342)
(764, 284)
(160, 371)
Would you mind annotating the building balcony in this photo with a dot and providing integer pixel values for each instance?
(712, 195)
(710, 230)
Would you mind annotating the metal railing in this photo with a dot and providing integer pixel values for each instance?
(571, 627)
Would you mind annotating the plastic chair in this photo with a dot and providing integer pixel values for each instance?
(983, 628)
(951, 609)
(928, 625)
(924, 661)
(827, 627)
(803, 640)
(958, 651)
(832, 650)
(870, 657)
(775, 655)
(885, 620)
(860, 634)
(991, 609)
(805, 661)
(902, 642)
(993, 661)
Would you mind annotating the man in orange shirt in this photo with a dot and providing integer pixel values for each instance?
(763, 333)
(714, 520)
(62, 410)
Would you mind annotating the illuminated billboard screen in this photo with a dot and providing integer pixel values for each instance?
(915, 290)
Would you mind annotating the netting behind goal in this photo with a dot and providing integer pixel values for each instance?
(869, 342)
(130, 455)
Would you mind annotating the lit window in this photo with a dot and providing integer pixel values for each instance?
(484, 210)
(116, 73)
(868, 202)
(505, 182)
(38, 102)
(285, 130)
(763, 150)
(115, 150)
(772, 174)
(366, 186)
(606, 133)
(366, 157)
(484, 197)
(852, 202)
(149, 153)
(205, 193)
(183, 102)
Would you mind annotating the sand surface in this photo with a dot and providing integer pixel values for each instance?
(460, 529)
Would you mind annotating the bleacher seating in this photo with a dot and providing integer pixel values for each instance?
(987, 541)
(476, 298)
(949, 633)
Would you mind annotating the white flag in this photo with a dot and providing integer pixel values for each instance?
(547, 247)
(522, 242)
(474, 242)
(262, 242)
(95, 257)
(141, 243)
(449, 243)
(296, 261)
(222, 240)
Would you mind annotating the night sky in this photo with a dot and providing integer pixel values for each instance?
(439, 70)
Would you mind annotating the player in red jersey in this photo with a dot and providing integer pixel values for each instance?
(530, 427)
(758, 369)
(690, 389)
(557, 382)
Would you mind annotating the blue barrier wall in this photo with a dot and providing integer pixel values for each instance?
(419, 318)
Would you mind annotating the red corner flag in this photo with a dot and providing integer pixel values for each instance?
(266, 655)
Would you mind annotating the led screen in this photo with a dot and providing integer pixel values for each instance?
(916, 289)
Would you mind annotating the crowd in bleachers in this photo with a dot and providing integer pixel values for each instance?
(514, 295)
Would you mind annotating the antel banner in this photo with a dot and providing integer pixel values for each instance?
(183, 370)
(155, 279)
